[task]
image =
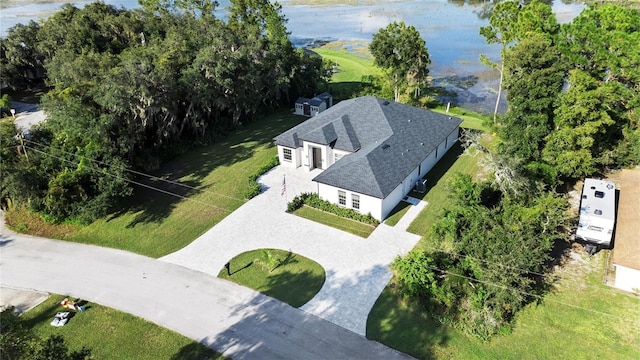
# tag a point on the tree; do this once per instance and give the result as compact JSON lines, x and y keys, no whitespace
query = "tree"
{"x":19,"y":342}
{"x":21,"y":63}
{"x":499,"y":245}
{"x":500,"y":31}
{"x":596,"y":123}
{"x":509,"y":23}
{"x":401,"y":51}
{"x":534,"y":76}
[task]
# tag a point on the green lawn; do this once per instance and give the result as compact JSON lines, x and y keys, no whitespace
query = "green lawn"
{"x":346,"y":83}
{"x":436,"y":195}
{"x":111,"y":334}
{"x":397,"y":213}
{"x":560,"y":327}
{"x":283,"y":275}
{"x":351,"y":226}
{"x":470,"y":120}
{"x":156,"y":224}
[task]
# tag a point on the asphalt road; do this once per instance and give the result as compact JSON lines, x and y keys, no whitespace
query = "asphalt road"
{"x":233,"y":320}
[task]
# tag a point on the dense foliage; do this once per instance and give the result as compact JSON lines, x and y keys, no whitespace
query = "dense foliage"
{"x":130,"y":88}
{"x":18,"y":342}
{"x":574,"y":111}
{"x":401,"y":52}
{"x":498,"y":247}
{"x":573,"y":92}
{"x":314,"y":201}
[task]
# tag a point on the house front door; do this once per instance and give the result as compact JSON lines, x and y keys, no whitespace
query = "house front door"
{"x":316,"y":153}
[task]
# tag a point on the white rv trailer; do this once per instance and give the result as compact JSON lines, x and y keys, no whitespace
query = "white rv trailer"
{"x":597,"y":212}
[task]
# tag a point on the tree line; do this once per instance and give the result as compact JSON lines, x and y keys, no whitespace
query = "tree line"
{"x":573,"y":93}
{"x":128,"y":88}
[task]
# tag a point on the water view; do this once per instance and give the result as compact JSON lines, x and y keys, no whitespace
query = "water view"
{"x":450,"y":29}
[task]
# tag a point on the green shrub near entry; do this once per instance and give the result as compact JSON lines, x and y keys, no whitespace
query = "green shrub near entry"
{"x":313,"y":200}
{"x":254,"y":187}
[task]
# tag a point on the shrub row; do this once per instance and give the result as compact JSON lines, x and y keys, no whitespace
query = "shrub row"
{"x":313,"y":200}
{"x":254,"y":187}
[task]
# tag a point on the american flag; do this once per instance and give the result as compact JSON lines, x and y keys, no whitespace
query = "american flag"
{"x":284,"y":187}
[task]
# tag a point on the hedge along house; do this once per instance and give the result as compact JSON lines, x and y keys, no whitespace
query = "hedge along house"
{"x":372,"y":151}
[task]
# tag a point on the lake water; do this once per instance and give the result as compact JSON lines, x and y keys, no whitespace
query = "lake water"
{"x":450,"y":29}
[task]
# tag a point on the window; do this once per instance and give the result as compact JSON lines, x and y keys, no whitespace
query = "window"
{"x":286,"y":154}
{"x":342,"y":198}
{"x":355,"y":201}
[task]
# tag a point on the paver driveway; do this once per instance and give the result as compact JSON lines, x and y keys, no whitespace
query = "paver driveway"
{"x":357,"y":269}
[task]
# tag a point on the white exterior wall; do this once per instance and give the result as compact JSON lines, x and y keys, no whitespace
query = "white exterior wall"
{"x":627,"y":279}
{"x":427,"y":164}
{"x":453,"y":138}
{"x":307,"y":155}
{"x":335,"y":152}
{"x":368,"y":204}
{"x":299,"y":109}
{"x":295,"y":157}
{"x":390,"y":202}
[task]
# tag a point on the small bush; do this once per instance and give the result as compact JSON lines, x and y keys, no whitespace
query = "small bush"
{"x":313,"y":200}
{"x":254,"y":188}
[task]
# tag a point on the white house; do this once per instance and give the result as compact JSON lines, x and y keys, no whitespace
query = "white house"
{"x":314,"y":106}
{"x":597,"y":212}
{"x":372,"y":151}
{"x":626,"y":252}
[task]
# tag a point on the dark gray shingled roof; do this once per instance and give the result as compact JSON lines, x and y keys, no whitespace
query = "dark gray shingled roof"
{"x":389,"y":139}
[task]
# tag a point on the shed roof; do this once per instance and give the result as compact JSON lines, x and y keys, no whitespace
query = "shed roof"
{"x":626,"y":250}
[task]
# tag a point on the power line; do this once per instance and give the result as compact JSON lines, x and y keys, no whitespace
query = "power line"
{"x":152,"y":177}
{"x":504,"y":287}
{"x":134,"y":182}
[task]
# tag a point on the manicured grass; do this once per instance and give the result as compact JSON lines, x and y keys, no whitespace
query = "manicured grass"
{"x":436,"y":195}
{"x":351,"y":226}
{"x":397,"y":213}
{"x":155,"y":224}
{"x":347,"y":82}
{"x":470,"y":120}
{"x":559,"y":327}
{"x":283,"y":275}
{"x":112,"y":334}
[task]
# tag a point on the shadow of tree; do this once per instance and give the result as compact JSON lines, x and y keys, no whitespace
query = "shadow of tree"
{"x":289,"y":333}
{"x":195,"y":165}
{"x":439,"y":170}
{"x":47,"y":313}
{"x":403,"y":325}
{"x":196,"y":351}
{"x":294,"y":288}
